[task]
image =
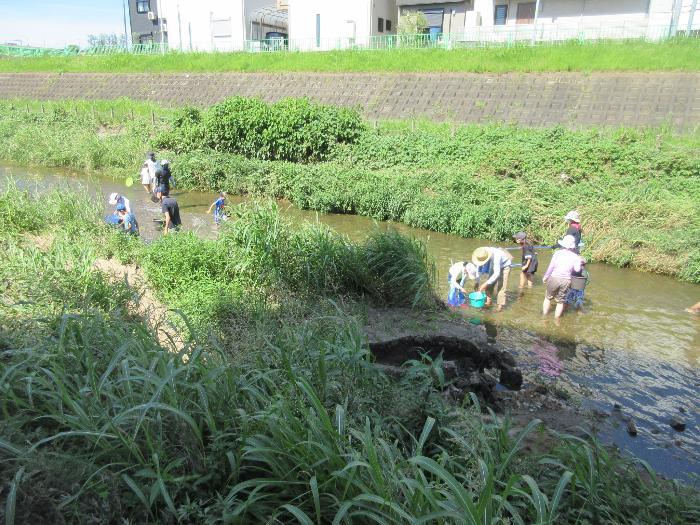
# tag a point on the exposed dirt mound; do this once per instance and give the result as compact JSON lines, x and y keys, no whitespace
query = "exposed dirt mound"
{"x":147,"y":305}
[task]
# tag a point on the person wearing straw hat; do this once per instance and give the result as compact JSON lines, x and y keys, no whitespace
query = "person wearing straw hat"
{"x":563,"y":265}
{"x":495,"y":263}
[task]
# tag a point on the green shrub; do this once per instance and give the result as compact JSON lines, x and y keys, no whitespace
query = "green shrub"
{"x":292,"y":129}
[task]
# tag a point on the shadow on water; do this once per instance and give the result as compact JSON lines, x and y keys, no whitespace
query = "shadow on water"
{"x":634,"y":346}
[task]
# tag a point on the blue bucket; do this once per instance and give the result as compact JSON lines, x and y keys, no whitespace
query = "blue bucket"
{"x":477,"y":299}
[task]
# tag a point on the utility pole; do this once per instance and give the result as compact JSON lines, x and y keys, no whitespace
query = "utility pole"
{"x":179,"y":26}
{"x":691,"y":15}
{"x":534,"y":28}
{"x":126,"y":34}
{"x":675,"y":15}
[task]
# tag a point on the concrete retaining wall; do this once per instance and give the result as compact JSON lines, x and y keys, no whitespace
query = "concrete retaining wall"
{"x":572,"y":99}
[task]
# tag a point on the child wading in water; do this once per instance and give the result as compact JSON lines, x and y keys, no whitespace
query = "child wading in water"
{"x":529,"y":259}
{"x":218,"y":206}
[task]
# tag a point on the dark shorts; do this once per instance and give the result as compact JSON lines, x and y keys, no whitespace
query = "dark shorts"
{"x":532,"y":268}
{"x":162,"y":188}
{"x":558,"y":288}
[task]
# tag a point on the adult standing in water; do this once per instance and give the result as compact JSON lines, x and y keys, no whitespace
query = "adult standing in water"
{"x":564,"y":264}
{"x":148,"y":172}
{"x":495,"y":263}
{"x":171,"y":213}
{"x":573,"y":220}
{"x":164,"y":179}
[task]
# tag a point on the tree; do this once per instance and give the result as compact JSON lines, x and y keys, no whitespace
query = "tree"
{"x":104,"y":39}
{"x":412,"y":23}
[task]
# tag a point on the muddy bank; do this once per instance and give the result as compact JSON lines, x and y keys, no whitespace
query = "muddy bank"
{"x":470,"y":362}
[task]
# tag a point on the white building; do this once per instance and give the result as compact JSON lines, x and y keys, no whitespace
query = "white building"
{"x":339,"y":24}
{"x":503,"y":20}
{"x":222,"y":25}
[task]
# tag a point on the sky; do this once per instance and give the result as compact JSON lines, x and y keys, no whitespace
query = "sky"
{"x":57,"y":23}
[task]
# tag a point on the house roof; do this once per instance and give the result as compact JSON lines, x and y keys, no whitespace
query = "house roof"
{"x":270,"y":16}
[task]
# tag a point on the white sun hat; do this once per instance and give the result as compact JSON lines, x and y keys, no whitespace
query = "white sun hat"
{"x":568,"y":242}
{"x":113,"y":198}
{"x":573,"y":216}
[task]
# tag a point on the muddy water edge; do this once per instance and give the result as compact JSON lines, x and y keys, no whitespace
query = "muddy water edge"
{"x":632,"y":354}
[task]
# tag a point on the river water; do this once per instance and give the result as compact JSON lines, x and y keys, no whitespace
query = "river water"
{"x":633,"y":346}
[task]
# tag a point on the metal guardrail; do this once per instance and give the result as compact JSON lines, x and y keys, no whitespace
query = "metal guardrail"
{"x":496,"y":36}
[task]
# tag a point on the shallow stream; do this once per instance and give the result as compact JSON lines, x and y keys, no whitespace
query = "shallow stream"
{"x":633,"y":346}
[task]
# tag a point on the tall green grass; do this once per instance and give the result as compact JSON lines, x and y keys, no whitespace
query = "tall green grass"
{"x":260,"y":257}
{"x":638,"y":191}
{"x":21,"y":212}
{"x":670,"y":55}
{"x":130,"y":431}
{"x":102,"y":423}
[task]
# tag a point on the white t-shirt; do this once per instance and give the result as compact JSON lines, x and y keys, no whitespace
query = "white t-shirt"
{"x":151,"y":169}
{"x":126,"y":203}
{"x":457,"y":273}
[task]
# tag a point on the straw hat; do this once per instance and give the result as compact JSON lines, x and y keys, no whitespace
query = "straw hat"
{"x":481,"y":256}
{"x":573,"y":216}
{"x":568,"y":242}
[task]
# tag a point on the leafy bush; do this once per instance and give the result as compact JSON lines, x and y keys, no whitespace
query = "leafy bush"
{"x":292,"y":129}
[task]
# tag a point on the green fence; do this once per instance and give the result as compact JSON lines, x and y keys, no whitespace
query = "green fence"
{"x":496,"y":36}
{"x":136,"y":49}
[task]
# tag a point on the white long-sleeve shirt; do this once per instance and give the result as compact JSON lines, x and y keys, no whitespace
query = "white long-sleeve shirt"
{"x":457,"y":274}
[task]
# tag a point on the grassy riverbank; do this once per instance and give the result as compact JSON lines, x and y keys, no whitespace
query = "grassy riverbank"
{"x":671,"y":55}
{"x":638,"y":192}
{"x":270,"y":409}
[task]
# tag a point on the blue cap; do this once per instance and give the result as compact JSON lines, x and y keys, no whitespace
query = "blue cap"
{"x":121,"y":207}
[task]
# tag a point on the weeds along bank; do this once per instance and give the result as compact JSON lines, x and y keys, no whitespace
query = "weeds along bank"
{"x":638,"y":192}
{"x":627,"y":55}
{"x":272,"y":412}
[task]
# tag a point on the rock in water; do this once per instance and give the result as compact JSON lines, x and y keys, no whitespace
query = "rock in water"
{"x":677,"y":424}
{"x":631,"y":428}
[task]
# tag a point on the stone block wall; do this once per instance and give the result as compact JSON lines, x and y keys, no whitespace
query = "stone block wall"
{"x":537,"y":99}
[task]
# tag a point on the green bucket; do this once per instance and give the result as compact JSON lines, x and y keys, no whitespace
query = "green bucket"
{"x":477,"y":299}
